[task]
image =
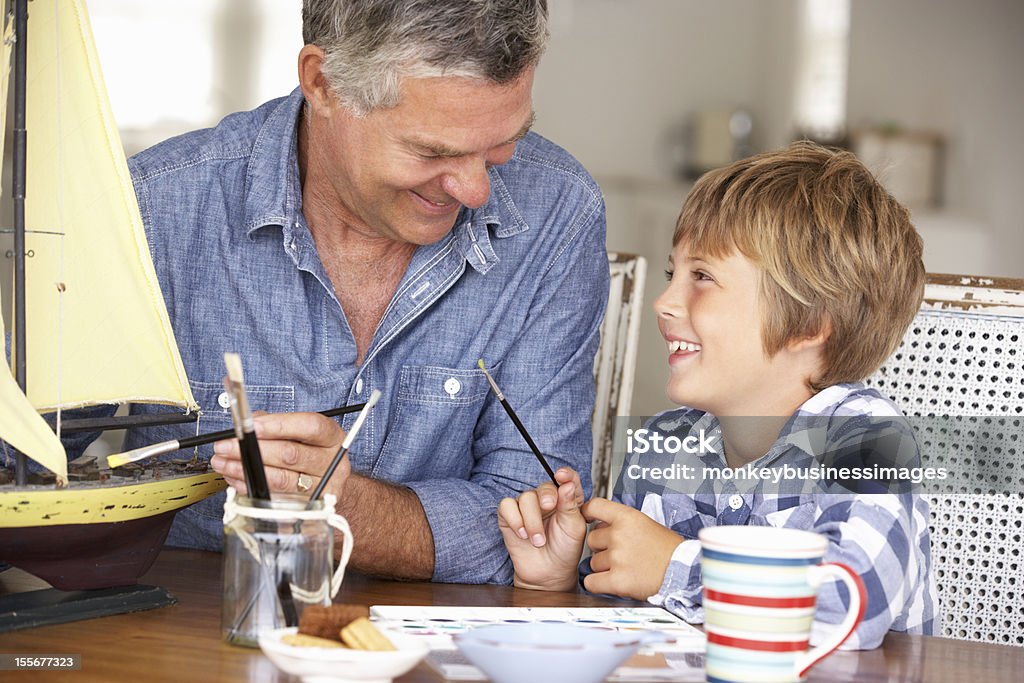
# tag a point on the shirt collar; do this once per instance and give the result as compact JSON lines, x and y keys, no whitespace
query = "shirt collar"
{"x":271,"y":202}
{"x":273,"y":197}
{"x":471,"y":231}
{"x":808,"y":428}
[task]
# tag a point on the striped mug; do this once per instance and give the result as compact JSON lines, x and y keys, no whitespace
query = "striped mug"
{"x":760,"y":588}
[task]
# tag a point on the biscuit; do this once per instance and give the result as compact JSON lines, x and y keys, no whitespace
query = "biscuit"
{"x":326,"y":622}
{"x":361,"y":634}
{"x":302,"y":640}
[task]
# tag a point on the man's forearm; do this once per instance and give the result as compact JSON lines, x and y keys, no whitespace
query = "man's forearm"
{"x":392,"y":535}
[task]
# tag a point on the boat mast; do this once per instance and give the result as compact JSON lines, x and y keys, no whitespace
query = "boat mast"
{"x":20,"y":162}
{"x":20,"y":57}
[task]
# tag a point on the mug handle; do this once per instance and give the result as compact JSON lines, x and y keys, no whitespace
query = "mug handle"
{"x":816,"y":574}
{"x":341,"y":524}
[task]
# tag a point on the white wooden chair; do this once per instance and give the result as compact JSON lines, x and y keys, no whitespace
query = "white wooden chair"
{"x":615,"y":364}
{"x":959,"y":375}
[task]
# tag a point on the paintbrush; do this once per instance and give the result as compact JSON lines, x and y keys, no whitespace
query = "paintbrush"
{"x":119,"y":459}
{"x":349,"y":438}
{"x":245,"y":430}
{"x":519,"y":425}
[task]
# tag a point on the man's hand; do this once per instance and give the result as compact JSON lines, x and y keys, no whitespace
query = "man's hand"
{"x":544,"y":531}
{"x":293,"y":445}
{"x":630,"y":550}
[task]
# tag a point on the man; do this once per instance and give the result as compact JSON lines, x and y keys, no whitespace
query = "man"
{"x":383,"y":227}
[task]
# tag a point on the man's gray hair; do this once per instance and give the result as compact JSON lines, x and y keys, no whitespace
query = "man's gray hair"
{"x":370,"y":45}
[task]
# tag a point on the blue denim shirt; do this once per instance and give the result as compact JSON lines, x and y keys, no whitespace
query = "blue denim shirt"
{"x":520,"y":282}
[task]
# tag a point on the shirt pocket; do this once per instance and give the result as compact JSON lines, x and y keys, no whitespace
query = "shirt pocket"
{"x":799,"y":515}
{"x":431,"y":432}
{"x":216,"y":416}
{"x":216,"y":410}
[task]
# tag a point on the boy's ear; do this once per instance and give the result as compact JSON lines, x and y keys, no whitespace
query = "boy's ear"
{"x":816,"y":340}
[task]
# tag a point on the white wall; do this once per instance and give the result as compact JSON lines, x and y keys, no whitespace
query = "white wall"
{"x":619,"y":75}
{"x":954,"y":67}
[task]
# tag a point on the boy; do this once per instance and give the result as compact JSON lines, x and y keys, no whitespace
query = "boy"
{"x":793,"y":275}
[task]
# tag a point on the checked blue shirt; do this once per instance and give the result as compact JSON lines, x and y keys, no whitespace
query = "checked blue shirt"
{"x":882,"y":535}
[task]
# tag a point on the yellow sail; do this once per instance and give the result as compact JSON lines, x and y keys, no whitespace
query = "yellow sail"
{"x":20,"y":424}
{"x":24,"y":429}
{"x":97,"y":328}
{"x":5,"y":61}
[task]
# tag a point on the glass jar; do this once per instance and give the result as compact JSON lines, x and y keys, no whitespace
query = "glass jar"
{"x":278,"y":558}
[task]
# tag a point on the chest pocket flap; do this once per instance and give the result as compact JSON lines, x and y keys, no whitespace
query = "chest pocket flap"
{"x":430,"y":432}
{"x":213,"y":399}
{"x":427,"y":385}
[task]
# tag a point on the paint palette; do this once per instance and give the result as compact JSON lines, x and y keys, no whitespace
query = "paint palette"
{"x":682,"y":660}
{"x":437,"y":624}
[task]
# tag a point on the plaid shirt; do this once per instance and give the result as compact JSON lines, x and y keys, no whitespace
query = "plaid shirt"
{"x":878,"y":530}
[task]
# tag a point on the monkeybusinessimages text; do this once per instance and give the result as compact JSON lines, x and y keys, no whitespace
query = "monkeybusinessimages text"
{"x":644,"y":441}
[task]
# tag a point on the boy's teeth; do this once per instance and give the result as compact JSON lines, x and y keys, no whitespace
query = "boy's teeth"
{"x":676,"y":346}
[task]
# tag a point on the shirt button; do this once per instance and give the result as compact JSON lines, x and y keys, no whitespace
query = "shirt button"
{"x":224,"y":401}
{"x":359,"y":385}
{"x":452,"y":386}
{"x":736,"y":501}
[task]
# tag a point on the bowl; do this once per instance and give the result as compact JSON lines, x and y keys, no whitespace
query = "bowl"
{"x":341,"y":665}
{"x":513,"y":653}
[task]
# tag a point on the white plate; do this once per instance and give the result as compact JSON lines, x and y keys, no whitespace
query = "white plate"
{"x":340,"y":665}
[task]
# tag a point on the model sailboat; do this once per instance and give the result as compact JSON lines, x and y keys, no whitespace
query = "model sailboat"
{"x":96,"y":328}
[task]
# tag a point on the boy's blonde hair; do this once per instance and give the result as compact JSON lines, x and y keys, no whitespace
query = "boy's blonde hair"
{"x":836,"y":251}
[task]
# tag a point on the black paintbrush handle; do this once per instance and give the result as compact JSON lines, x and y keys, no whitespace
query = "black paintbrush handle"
{"x":252,"y":466}
{"x":529,"y":441}
{"x":203,"y":439}
{"x":327,"y":475}
{"x":285,"y":597}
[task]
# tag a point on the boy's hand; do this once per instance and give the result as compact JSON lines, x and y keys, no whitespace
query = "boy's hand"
{"x":544,"y":531}
{"x":630,"y":550}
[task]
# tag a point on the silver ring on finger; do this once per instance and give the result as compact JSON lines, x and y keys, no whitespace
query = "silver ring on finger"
{"x":304,"y":483}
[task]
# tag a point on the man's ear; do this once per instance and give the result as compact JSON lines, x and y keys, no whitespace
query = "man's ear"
{"x":312,"y":81}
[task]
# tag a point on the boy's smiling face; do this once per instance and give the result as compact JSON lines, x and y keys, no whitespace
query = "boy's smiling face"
{"x":711,"y":319}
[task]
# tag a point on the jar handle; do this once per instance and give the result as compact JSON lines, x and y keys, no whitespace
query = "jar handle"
{"x":341,"y":524}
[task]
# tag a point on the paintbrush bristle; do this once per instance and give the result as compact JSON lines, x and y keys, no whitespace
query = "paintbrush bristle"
{"x":372,"y":401}
{"x":233,"y":362}
{"x":490,"y":380}
{"x":119,"y":459}
{"x":360,"y":419}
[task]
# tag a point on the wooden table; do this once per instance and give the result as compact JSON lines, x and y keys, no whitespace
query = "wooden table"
{"x":183,"y":642}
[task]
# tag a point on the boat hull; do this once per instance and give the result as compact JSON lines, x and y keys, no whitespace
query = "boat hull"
{"x":87,"y":556}
{"x":94,"y":537}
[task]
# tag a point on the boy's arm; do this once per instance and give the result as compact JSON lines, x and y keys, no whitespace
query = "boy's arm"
{"x":880,"y":530}
{"x":881,"y":537}
{"x":673,"y":578}
{"x":631,"y":550}
{"x":884,"y":539}
{"x":681,"y":586}
{"x":681,"y":590}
